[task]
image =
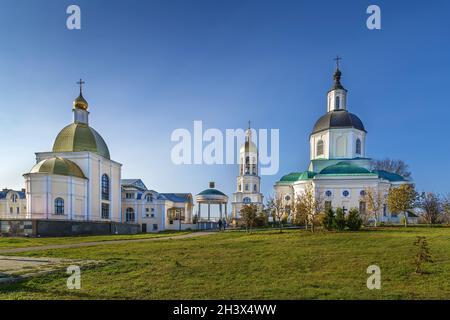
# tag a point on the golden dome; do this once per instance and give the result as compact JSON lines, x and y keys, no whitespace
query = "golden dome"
{"x":249,"y":146}
{"x":59,"y":166}
{"x":78,"y":137}
{"x":80,"y":103}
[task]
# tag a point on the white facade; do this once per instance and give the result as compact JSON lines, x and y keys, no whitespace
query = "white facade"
{"x":155,"y":211}
{"x":339,"y":170}
{"x":248,"y":190}
{"x":13,"y":204}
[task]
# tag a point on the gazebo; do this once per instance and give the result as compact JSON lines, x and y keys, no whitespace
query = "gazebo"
{"x":211,"y":196}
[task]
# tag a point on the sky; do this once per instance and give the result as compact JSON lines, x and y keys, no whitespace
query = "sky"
{"x":152,"y":67}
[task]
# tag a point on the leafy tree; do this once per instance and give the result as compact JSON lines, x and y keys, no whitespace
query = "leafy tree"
{"x":432,"y":207}
{"x":390,"y":165}
{"x":300,"y":216}
{"x":262,"y":218}
{"x":308,"y":205}
{"x":249,"y":215}
{"x":354,"y":221}
{"x":402,"y":199}
{"x":339,"y":220}
{"x":423,"y":254}
{"x":328,"y":220}
{"x":374,"y":200}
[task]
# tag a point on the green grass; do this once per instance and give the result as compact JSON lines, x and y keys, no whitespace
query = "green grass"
{"x":263,"y":265}
{"x":9,"y":243}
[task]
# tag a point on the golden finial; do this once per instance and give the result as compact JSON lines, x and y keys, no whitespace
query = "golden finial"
{"x":80,"y":102}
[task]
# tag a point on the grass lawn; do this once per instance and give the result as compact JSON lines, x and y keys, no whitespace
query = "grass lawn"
{"x":263,"y":265}
{"x":7,"y":242}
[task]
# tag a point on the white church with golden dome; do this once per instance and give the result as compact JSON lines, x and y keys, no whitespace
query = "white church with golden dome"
{"x":78,"y":189}
{"x":77,"y":180}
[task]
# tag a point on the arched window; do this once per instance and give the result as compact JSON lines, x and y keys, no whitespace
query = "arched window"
{"x":247,"y":200}
{"x":14,"y":198}
{"x":255,"y":188}
{"x":105,"y":187}
{"x":129,"y":215}
{"x":149,"y":197}
{"x":358,"y":146}
{"x":319,"y":148}
{"x":59,"y":206}
{"x":338,"y":102}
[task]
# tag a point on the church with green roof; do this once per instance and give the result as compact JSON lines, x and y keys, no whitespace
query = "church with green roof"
{"x":339,"y":170}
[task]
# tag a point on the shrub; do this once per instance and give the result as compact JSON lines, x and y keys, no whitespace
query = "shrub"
{"x":339,"y":220}
{"x":328,"y":220}
{"x":423,"y":254}
{"x":354,"y":220}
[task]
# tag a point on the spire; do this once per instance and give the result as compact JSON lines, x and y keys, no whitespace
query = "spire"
{"x":80,"y":102}
{"x":337,"y":76}
{"x":248,"y":133}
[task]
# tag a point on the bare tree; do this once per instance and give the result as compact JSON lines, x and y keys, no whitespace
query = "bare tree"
{"x":374,"y":200}
{"x":277,"y":207}
{"x":390,"y":165}
{"x":446,"y":209}
{"x":432,"y":207}
{"x":309,"y":205}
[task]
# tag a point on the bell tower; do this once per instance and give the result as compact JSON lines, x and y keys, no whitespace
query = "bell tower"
{"x":248,"y":181}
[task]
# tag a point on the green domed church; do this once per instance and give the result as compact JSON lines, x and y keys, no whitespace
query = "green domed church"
{"x":339,"y":170}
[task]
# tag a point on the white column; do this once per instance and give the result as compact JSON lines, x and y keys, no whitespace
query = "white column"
{"x":209,"y":211}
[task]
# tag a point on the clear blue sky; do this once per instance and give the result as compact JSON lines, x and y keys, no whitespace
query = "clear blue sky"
{"x":153,"y":66}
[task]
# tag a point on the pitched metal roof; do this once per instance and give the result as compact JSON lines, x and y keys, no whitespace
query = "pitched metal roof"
{"x":298,"y":176}
{"x":176,"y":197}
{"x":4,"y":193}
{"x":390,"y":176}
{"x":135,"y":183}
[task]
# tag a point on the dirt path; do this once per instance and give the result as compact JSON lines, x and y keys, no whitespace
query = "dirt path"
{"x":98,"y":243}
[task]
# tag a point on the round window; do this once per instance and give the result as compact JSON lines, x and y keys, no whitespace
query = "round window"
{"x":345,"y":193}
{"x":287,"y":198}
{"x":362,"y":193}
{"x":328,"y":193}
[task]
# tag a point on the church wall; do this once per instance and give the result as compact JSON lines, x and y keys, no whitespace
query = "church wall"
{"x":43,"y":190}
{"x":343,"y":143}
{"x":93,"y":167}
{"x":338,"y":200}
{"x":314,"y":139}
